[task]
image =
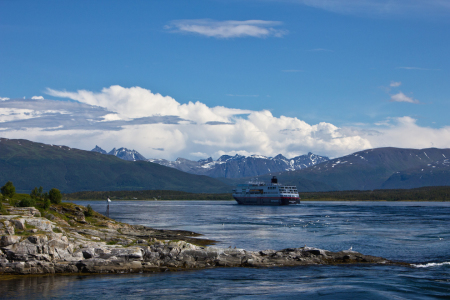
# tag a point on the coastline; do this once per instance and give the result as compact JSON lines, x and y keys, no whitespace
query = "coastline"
{"x":63,"y":241}
{"x":301,"y":200}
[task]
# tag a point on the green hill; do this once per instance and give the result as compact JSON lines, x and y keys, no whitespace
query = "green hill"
{"x":28,"y":164}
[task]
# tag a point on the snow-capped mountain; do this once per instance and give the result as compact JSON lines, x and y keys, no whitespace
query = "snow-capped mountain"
{"x":123,"y":153}
{"x":239,"y":166}
{"x":99,"y":150}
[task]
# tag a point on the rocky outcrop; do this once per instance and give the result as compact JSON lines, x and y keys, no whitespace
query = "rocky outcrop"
{"x":31,"y":244}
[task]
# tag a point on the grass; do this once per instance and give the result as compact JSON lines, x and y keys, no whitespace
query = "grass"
{"x":29,"y":226}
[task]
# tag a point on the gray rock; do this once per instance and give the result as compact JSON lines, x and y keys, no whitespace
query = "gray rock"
{"x":7,"y":240}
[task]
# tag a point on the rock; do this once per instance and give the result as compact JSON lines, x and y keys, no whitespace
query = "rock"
{"x":79,"y":248}
{"x":19,"y":223}
{"x":7,"y":240}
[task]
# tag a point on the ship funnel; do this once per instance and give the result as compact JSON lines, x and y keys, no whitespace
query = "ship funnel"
{"x":274,"y":179}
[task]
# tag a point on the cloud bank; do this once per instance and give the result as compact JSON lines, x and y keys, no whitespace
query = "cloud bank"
{"x":160,"y":127}
{"x":228,"y":29}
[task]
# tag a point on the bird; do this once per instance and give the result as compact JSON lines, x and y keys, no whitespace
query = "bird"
{"x":351,"y":248}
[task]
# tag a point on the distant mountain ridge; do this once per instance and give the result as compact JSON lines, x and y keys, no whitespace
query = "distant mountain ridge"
{"x":381,"y":168}
{"x":240,"y":166}
{"x":123,"y":153}
{"x":28,"y":164}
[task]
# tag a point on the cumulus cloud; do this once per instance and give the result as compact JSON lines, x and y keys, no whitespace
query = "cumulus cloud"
{"x":37,"y":98}
{"x":382,"y":7}
{"x":404,"y":132}
{"x":400,"y":97}
{"x":3,"y":98}
{"x":160,"y":127}
{"x":395,"y":84}
{"x":228,"y":29}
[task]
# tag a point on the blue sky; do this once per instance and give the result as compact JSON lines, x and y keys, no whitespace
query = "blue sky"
{"x":330,"y":77}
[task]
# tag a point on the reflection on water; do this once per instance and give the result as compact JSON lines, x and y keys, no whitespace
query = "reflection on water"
{"x":32,"y":287}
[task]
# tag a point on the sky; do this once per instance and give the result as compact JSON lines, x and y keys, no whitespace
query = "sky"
{"x":204,"y":78}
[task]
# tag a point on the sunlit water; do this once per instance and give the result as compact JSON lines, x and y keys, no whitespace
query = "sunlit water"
{"x":415,"y":232}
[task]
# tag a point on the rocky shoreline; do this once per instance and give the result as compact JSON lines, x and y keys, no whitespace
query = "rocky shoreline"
{"x":63,"y":241}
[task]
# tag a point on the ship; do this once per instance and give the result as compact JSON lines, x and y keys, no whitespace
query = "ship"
{"x":261,"y":193}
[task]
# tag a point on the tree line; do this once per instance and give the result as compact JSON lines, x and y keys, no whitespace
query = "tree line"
{"x":145,"y":195}
{"x":431,"y":193}
{"x":37,"y":197}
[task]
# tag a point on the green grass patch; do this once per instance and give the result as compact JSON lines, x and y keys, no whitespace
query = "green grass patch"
{"x":29,"y":226}
{"x":57,"y":230}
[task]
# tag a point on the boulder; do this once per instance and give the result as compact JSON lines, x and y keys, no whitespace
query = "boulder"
{"x":7,"y":240}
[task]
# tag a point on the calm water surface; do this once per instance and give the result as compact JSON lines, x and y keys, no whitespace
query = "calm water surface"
{"x":415,"y":232}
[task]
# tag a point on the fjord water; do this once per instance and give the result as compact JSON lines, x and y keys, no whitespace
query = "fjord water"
{"x":414,"y":232}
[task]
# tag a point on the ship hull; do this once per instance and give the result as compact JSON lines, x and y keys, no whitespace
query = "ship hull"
{"x":272,"y":201}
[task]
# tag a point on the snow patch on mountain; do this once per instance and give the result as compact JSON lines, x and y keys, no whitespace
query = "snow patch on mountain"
{"x":123,"y":153}
{"x":242,"y":166}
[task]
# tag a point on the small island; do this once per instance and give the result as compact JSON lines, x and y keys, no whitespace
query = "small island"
{"x":67,"y":238}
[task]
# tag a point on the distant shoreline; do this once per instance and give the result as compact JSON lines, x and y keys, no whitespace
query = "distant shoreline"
{"x":305,"y":200}
{"x":433,"y":193}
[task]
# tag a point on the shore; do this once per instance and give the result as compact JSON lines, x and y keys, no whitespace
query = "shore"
{"x":63,"y":240}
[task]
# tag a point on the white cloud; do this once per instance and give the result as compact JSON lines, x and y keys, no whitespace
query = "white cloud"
{"x":37,"y":98}
{"x":228,"y":29}
{"x":395,"y":84}
{"x":198,"y":129}
{"x":160,"y":127}
{"x":405,"y":133}
{"x":382,"y":7}
{"x":3,"y":98}
{"x":199,"y":154}
{"x":400,"y":97}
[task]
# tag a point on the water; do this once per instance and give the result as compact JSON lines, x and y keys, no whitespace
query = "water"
{"x":415,"y":232}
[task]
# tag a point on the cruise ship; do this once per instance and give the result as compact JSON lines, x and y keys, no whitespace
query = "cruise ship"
{"x":261,"y":193}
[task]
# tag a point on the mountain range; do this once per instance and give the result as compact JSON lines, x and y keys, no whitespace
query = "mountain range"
{"x":226,"y":166}
{"x":28,"y":164}
{"x":380,"y":168}
{"x":240,"y":166}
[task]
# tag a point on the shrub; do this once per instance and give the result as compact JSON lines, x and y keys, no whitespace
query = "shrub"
{"x":47,"y":203}
{"x":55,"y":196}
{"x":57,"y":230}
{"x":27,"y":202}
{"x":34,"y":193}
{"x":13,"y":202}
{"x":89,"y":212}
{"x":8,"y":190}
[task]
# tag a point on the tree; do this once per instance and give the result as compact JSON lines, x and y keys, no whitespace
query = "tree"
{"x":47,"y":203}
{"x":40,"y":192}
{"x":8,"y":190}
{"x":55,"y":196}
{"x":34,"y":193}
